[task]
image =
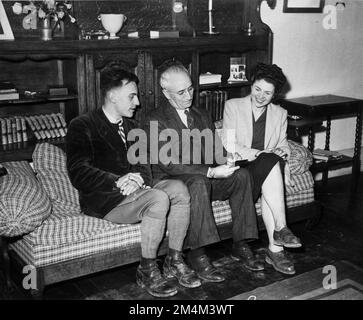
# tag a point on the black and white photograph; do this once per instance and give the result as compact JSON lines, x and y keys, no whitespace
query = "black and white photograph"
{"x":182,"y":156}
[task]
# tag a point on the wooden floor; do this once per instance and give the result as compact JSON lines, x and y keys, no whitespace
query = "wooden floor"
{"x":338,"y":236}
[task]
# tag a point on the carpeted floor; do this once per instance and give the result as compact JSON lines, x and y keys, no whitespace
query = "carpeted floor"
{"x":339,"y":281}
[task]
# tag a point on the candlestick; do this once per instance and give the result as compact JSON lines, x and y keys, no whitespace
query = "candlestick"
{"x":210,"y":20}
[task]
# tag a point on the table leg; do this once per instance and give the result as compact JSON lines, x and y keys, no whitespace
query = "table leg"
{"x":357,"y":150}
{"x":327,"y":147}
{"x":311,"y":138}
{"x":327,"y":135}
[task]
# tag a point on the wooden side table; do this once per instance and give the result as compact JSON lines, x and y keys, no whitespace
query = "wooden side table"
{"x":317,"y":108}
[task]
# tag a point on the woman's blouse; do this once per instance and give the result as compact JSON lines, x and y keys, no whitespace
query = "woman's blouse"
{"x":258,"y":134}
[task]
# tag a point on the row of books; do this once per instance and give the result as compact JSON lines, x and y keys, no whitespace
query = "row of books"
{"x":8,"y":91}
{"x":44,"y":126}
{"x":326,"y":155}
{"x":213,"y":101}
{"x":13,"y":130}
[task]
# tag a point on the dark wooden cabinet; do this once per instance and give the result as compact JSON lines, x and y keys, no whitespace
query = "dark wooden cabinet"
{"x":35,"y":65}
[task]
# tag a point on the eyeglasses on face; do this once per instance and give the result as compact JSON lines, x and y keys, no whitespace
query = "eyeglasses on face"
{"x":183,"y":92}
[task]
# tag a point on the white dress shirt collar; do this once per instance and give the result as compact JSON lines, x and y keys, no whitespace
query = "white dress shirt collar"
{"x":110,"y":117}
{"x":182,"y":115}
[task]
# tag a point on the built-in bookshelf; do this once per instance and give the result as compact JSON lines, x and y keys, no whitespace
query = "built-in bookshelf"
{"x":35,"y":66}
{"x":213,"y":102}
{"x":19,"y":134}
{"x":26,"y":99}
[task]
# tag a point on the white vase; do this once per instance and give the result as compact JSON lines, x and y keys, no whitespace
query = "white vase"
{"x":112,"y":23}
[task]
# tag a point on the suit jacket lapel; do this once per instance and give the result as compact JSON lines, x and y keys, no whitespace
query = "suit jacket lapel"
{"x":248,"y":118}
{"x":173,"y":118}
{"x":270,"y":124}
{"x":106,"y":131}
{"x":173,"y":121}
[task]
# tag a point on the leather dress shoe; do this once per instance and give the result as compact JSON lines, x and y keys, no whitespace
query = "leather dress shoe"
{"x":205,"y":270}
{"x":175,"y":267}
{"x":280,"y":261}
{"x":243,"y":253}
{"x":286,"y":238}
{"x":150,"y":279}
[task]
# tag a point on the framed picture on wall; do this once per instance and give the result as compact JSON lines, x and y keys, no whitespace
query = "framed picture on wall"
{"x":303,"y":6}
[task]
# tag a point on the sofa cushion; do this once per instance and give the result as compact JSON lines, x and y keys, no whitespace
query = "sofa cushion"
{"x":51,"y":170}
{"x":24,"y":204}
{"x":107,"y":239}
{"x":66,"y":228}
{"x":300,"y":158}
{"x":56,"y":241}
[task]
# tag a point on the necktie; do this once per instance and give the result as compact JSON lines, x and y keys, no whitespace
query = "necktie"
{"x":121,"y":131}
{"x":189,"y":118}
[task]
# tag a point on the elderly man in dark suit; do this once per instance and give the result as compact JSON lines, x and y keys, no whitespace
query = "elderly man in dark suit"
{"x":112,"y":189}
{"x":206,"y":181}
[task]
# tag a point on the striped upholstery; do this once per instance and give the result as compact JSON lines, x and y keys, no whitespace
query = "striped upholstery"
{"x":50,"y":167}
{"x":63,"y":228}
{"x":23,"y":202}
{"x":114,"y":236}
{"x":109,"y":239}
{"x":69,"y":234}
{"x":301,"y":182}
{"x":222,"y":210}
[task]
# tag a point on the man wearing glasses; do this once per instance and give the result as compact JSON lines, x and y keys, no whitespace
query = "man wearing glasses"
{"x":205,"y":180}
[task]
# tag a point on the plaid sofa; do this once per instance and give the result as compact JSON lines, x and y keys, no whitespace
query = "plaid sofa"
{"x":69,"y":234}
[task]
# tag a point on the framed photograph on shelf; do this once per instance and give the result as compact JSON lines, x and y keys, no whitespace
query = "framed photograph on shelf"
{"x":237,"y":69}
{"x":303,"y":6}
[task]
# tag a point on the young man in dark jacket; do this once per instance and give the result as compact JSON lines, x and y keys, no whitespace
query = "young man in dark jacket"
{"x":112,"y":189}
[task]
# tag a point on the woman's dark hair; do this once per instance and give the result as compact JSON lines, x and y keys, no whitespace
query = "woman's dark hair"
{"x":113,"y":75}
{"x":270,"y":73}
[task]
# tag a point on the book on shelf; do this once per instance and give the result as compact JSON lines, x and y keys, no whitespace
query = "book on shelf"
{"x":4,"y":137}
{"x":49,"y":126}
{"x":213,"y":102}
{"x":209,"y":78}
{"x":13,"y":130}
{"x":9,"y":96}
{"x":133,"y":34}
{"x":320,"y":158}
{"x":326,"y":155}
{"x":8,"y":91}
{"x":154,"y":34}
